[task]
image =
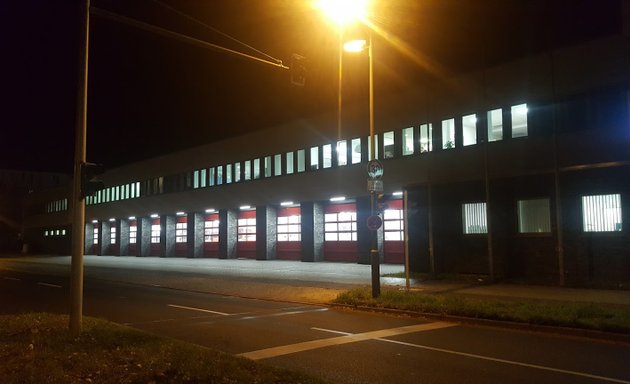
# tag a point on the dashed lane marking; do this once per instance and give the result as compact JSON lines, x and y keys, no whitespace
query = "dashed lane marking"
{"x":198,"y":309}
{"x":350,"y":338}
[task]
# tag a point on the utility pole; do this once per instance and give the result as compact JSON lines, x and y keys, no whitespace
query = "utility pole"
{"x":78,"y":203}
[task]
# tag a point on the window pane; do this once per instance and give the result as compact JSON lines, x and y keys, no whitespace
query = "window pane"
{"x":388,"y":145}
{"x":196,"y":179}
{"x":602,"y":213}
{"x":356,"y":151}
{"x":247,"y":169}
{"x":277,"y":165}
{"x":495,"y":125}
{"x":327,"y":154}
{"x":219,"y":175}
{"x":533,"y":216}
{"x":407,"y":141}
{"x":426,"y":138}
{"x":237,"y":172}
{"x":256,"y":169}
{"x":314,"y":158}
{"x":469,"y":128}
{"x":474,"y":218}
{"x":228,"y":173}
{"x":211,"y":177}
{"x":519,"y":120}
{"x":267,"y":166}
{"x":448,"y":134}
{"x":289,"y":158}
{"x":342,"y":152}
{"x":301,"y":160}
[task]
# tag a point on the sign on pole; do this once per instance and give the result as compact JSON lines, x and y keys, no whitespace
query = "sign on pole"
{"x":375,"y":169}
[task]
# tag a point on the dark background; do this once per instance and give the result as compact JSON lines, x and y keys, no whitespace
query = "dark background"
{"x":150,"y":94}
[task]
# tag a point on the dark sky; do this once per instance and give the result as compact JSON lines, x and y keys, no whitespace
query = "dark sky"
{"x":149,"y":94}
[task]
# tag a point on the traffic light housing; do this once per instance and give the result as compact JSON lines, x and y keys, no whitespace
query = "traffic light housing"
{"x":90,"y":183}
{"x":298,"y":70}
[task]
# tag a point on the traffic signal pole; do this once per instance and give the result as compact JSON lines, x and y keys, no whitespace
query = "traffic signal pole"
{"x":78,"y":203}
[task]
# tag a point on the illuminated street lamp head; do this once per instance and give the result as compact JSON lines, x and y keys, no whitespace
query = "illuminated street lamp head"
{"x":355,"y":45}
{"x":343,"y":12}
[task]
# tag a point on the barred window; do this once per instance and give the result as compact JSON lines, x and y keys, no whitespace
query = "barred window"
{"x":474,"y":218}
{"x":533,"y":216}
{"x":393,"y":224}
{"x":247,"y":229}
{"x":211,"y":231}
{"x":341,"y":226}
{"x":289,"y":228}
{"x":181,"y":232}
{"x":602,"y":213}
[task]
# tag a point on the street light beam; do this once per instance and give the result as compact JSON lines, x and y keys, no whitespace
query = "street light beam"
{"x":343,"y":12}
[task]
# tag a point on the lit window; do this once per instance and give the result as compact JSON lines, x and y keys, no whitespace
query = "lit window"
{"x":203,"y":178}
{"x":602,"y":213}
{"x":407,"y":141}
{"x":247,"y":165}
{"x":133,"y":234}
{"x":267,"y":166}
{"x":341,"y":226}
{"x":474,"y":218}
{"x":181,"y":232}
{"x":211,"y":177}
{"x":301,"y":160}
{"x":196,"y":179}
{"x":426,"y":138}
{"x":228,"y":173}
{"x":519,"y":120}
{"x":495,"y":125}
{"x":356,"y":150}
{"x":95,"y":234}
{"x":112,"y":235}
{"x":211,"y":231}
{"x":314,"y":158}
{"x":448,"y":134}
{"x":393,"y":225}
{"x":256,"y":169}
{"x":219,"y":175}
{"x":45,"y":233}
{"x":342,"y":152}
{"x":237,"y":172}
{"x":247,"y":229}
{"x":327,"y":155}
{"x":533,"y":216}
{"x":469,"y":129}
{"x":155,"y":233}
{"x":289,"y":158}
{"x":388,"y":145}
{"x":289,"y":228}
{"x":375,"y":147}
{"x":277,"y":165}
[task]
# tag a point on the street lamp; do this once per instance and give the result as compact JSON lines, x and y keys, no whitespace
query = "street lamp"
{"x":343,"y":13}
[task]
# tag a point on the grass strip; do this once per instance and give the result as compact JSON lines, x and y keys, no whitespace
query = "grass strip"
{"x":38,"y":348}
{"x":600,"y":317}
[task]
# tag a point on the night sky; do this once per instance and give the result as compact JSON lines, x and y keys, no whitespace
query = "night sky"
{"x":150,"y":94}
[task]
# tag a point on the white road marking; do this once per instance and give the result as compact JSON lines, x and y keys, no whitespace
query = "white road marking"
{"x":351,"y":338}
{"x":49,"y":285}
{"x":277,"y":314}
{"x":10,"y":278}
{"x":474,"y":356}
{"x":198,"y":309}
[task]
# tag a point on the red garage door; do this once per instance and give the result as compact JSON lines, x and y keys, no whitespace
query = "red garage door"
{"x":340,"y":233}
{"x":289,"y":229}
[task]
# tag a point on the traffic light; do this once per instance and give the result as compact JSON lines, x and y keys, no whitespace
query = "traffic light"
{"x":298,"y":70}
{"x":90,"y":183}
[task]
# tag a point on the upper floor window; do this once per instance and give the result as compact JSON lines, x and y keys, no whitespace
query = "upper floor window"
{"x":342,"y":152}
{"x":289,"y":158}
{"x":519,"y":120}
{"x":277,"y":165}
{"x":601,"y":213}
{"x":267,"y":166}
{"x":247,"y":170}
{"x":314,"y":158}
{"x":301,"y":160}
{"x":256,"y":169}
{"x":448,"y":134}
{"x":327,"y":155}
{"x":495,"y":125}
{"x":237,"y":172}
{"x":469,"y":129}
{"x":356,"y":150}
{"x":426,"y":138}
{"x":375,"y":147}
{"x":407,"y":141}
{"x":388,"y":145}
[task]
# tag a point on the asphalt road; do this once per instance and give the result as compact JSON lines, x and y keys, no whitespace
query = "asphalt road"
{"x":340,"y":345}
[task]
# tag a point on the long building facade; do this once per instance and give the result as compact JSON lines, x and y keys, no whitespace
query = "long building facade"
{"x":520,"y":171}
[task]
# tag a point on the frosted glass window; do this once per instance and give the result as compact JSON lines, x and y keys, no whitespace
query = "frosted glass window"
{"x":267,"y":166}
{"x":342,"y":152}
{"x":237,"y":172}
{"x":407,"y":141}
{"x":495,"y":125}
{"x":314,"y":158}
{"x":356,"y":150}
{"x":388,"y":145}
{"x":469,"y":129}
{"x":289,"y":158}
{"x":448,"y":134}
{"x":301,"y":160}
{"x":247,"y":169}
{"x":519,"y":120}
{"x":426,"y":138}
{"x":327,"y":155}
{"x":602,"y":213}
{"x":256,"y":169}
{"x":228,"y":173}
{"x":474,"y":218}
{"x":277,"y":165}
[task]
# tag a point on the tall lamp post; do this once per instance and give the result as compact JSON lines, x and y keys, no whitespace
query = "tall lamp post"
{"x":344,"y":12}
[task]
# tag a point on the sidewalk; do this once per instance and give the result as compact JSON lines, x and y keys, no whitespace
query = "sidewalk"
{"x":318,"y":282}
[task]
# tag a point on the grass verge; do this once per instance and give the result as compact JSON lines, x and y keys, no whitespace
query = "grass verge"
{"x":598,"y":317}
{"x":37,"y":348}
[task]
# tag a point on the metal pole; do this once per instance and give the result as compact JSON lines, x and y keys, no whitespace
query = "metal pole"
{"x":374,"y":255}
{"x":406,"y":235}
{"x":340,"y":85}
{"x":78,"y":206}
